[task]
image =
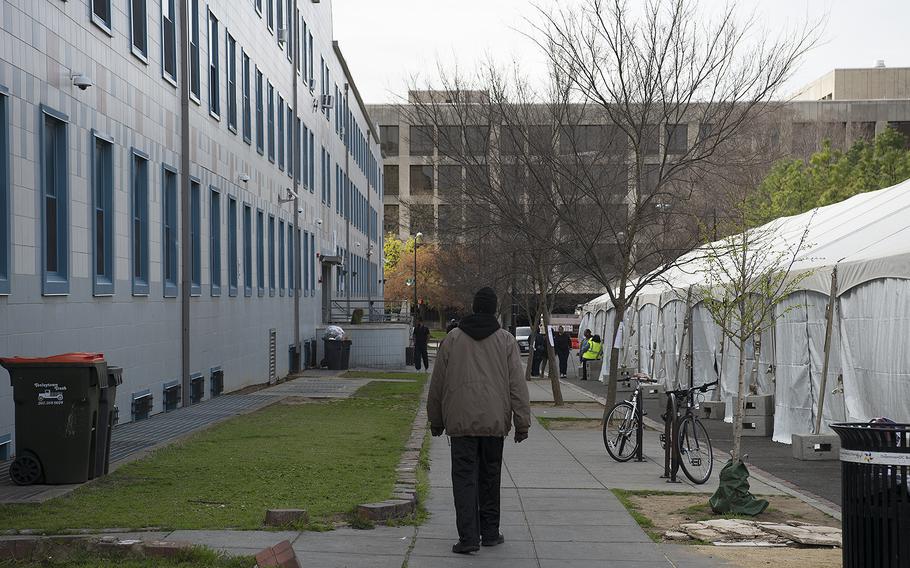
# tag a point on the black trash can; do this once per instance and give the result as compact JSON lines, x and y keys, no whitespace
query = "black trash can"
{"x":875,"y":469}
{"x":409,"y":355}
{"x":56,"y":405}
{"x":107,"y":417}
{"x":333,"y":353}
{"x":346,"y":354}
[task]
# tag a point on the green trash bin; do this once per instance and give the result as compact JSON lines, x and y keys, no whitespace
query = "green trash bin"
{"x":56,"y":413}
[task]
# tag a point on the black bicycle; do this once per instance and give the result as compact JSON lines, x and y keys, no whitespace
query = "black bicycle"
{"x":692,"y":441}
{"x":621,"y":425}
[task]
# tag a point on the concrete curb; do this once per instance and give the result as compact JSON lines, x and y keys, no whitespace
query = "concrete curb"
{"x":819,"y":503}
{"x":403,"y":501}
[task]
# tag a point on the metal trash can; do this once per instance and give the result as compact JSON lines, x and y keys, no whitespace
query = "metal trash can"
{"x":56,"y":405}
{"x":409,"y":356}
{"x":875,"y":470}
{"x":107,"y":418}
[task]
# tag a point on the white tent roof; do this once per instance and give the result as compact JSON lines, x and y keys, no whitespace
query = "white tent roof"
{"x":866,"y":237}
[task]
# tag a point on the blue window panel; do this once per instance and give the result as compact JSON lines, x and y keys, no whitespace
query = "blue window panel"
{"x":305,"y":265}
{"x":258,"y":4}
{"x":195,"y":238}
{"x":279,"y":17}
{"x":298,"y":248}
{"x":102,"y":15}
{"x":5,"y":217}
{"x":247,"y":251}
{"x":169,"y":231}
{"x":290,"y":127}
{"x":298,"y":168}
{"x":280,"y":132}
{"x":291,"y":264}
{"x":270,"y":14}
{"x":271,"y":123}
{"x":214,"y":71}
{"x":291,"y":30}
{"x":312,"y":162}
{"x":281,"y":263}
{"x":232,"y":83}
{"x":247,"y":110}
{"x":260,"y":253}
{"x":55,"y":202}
{"x":260,"y":115}
{"x":233,"y":265}
{"x":102,"y":208}
{"x":195,"y":71}
{"x":168,"y":40}
{"x":139,"y":29}
{"x":215,"y":241}
{"x":312,"y":261}
{"x":139,"y":222}
{"x":271,"y":257}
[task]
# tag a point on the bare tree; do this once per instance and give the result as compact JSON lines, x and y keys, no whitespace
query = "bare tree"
{"x":662,"y":89}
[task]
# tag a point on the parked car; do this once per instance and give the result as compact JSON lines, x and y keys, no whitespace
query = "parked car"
{"x":522,"y":335}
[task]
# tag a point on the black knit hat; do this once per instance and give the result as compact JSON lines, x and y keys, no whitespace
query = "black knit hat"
{"x":485,"y":301}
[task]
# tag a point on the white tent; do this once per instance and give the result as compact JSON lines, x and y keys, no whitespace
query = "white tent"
{"x":867,"y":239}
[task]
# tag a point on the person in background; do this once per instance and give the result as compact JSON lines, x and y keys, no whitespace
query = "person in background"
{"x":593,"y":353}
{"x":421,"y":343}
{"x":562,"y":344}
{"x":453,"y":323}
{"x":477,"y":391}
{"x":582,"y":349}
{"x":540,"y":353}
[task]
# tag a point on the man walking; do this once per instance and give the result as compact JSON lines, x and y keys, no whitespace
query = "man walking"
{"x":562,"y":344}
{"x":477,"y":390}
{"x":421,"y":341}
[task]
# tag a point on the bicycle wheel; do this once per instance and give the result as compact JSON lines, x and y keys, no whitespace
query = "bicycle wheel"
{"x":619,"y":432}
{"x":695,"y":455}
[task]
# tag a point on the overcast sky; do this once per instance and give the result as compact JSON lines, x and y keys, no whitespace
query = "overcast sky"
{"x":388,"y":41}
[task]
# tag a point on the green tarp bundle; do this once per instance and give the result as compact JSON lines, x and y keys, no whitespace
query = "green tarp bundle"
{"x":732,"y":495}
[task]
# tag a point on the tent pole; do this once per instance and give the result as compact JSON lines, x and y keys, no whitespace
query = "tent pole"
{"x":652,"y":368}
{"x":829,"y":321}
{"x":686,"y":318}
{"x":637,"y":339}
{"x":691,"y":342}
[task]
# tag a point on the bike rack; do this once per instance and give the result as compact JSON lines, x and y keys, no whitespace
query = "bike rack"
{"x":671,"y":448}
{"x":639,"y":429}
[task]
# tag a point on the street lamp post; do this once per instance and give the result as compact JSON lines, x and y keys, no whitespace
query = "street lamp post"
{"x":416,"y":243}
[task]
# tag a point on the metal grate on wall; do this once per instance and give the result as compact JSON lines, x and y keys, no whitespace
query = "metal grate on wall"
{"x":142,"y":405}
{"x":197,"y":388}
{"x":217,"y":381}
{"x":273,"y":356}
{"x":171,"y":396}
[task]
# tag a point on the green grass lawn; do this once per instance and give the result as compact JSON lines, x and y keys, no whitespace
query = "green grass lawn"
{"x":325,"y":457}
{"x":77,"y":556}
{"x":439,"y":334}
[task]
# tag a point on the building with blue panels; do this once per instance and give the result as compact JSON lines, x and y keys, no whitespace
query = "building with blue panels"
{"x":186,"y":187}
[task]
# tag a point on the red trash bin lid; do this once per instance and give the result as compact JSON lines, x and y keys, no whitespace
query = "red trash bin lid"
{"x":63,"y":358}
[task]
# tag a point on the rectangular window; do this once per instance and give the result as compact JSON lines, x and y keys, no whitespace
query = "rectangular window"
{"x":101,"y":13}
{"x":215,"y":241}
{"x":103,"y":215}
{"x":312,"y":261}
{"x":310,"y":72}
{"x":389,"y":138}
{"x":56,"y":204}
{"x":270,"y":13}
{"x":290,"y":149}
{"x":232,"y":83}
{"x":247,"y":112}
{"x":305,"y":263}
{"x":4,"y":195}
{"x":280,"y":131}
{"x":169,"y":40}
{"x":271,"y":123}
{"x":260,"y":253}
{"x":233,"y":265}
{"x":139,"y":222}
{"x":281,"y":257}
{"x":271,"y":255}
{"x":195,"y":238}
{"x":195,"y":78}
{"x":299,"y":35}
{"x":290,"y":26}
{"x":312,"y":162}
{"x":139,"y":28}
{"x":260,"y":115}
{"x":291,"y":264}
{"x":169,"y":231}
{"x":214,"y":75}
{"x":247,"y":251}
{"x":259,"y":7}
{"x":279,"y":18}
{"x":298,"y":141}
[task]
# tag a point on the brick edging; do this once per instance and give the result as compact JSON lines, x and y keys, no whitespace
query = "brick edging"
{"x":404,"y":499}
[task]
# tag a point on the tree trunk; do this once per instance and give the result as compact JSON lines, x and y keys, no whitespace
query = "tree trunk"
{"x":531,"y":341}
{"x":551,"y":357}
{"x":614,"y":360}
{"x":740,"y":409}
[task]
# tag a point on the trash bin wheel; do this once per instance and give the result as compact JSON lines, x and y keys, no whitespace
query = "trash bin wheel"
{"x":26,"y":469}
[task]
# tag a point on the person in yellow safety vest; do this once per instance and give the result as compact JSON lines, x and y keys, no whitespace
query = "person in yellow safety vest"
{"x":592,"y":353}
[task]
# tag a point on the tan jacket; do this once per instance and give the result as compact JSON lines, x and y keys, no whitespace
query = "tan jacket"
{"x":478,"y":387}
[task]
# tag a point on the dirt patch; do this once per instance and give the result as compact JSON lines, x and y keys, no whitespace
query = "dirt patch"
{"x":297,"y":400}
{"x":577,"y":405}
{"x":569,"y":423}
{"x":669,"y":511}
{"x":776,"y":557}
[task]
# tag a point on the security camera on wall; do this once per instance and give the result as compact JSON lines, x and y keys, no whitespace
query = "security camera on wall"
{"x":300,"y":210}
{"x":82,"y":81}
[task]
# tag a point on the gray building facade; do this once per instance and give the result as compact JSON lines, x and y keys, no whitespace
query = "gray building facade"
{"x":189,"y":230}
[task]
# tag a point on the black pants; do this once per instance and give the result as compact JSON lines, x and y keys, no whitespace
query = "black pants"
{"x":476,"y":469}
{"x":420,"y":352}
{"x":563,"y":361}
{"x":584,"y":369}
{"x":535,"y":363}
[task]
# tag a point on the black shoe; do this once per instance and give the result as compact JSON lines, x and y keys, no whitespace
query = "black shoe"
{"x":493,"y":541}
{"x":462,"y":547}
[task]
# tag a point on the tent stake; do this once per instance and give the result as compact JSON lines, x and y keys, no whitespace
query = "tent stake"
{"x":829,"y":319}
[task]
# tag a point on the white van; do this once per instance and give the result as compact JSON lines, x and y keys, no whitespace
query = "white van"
{"x":522,"y":335}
